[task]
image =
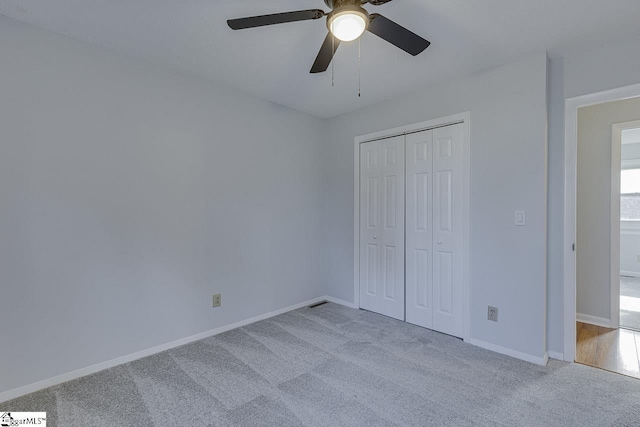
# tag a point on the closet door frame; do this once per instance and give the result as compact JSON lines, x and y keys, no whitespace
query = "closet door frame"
{"x":465,"y":120}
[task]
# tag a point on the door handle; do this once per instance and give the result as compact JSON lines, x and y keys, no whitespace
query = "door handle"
{"x":439,"y":242}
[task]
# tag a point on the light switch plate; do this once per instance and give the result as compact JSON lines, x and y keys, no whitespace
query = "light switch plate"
{"x":519,"y":218}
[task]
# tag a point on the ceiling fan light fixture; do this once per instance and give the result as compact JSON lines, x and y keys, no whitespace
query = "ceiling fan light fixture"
{"x":348,"y":23}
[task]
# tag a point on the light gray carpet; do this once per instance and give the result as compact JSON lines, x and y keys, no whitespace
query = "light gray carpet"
{"x":630,"y":287}
{"x":332,"y":366}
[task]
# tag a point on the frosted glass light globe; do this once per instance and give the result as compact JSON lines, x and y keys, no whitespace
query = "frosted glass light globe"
{"x":348,"y":26}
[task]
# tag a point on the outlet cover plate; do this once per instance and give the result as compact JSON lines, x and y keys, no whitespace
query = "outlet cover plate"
{"x":492,"y":314}
{"x":217,"y":300}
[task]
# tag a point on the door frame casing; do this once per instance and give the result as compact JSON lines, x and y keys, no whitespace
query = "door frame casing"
{"x":570,"y":202}
{"x":465,"y":120}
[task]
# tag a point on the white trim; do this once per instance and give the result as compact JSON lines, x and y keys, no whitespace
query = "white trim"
{"x":630,"y":273}
{"x":570,"y":150}
{"x":593,"y":320}
{"x":614,"y":226}
{"x":356,"y":223}
{"x":466,"y":225}
{"x":340,"y":301}
{"x":538,"y":360}
{"x":465,"y":119}
{"x":30,"y":388}
{"x":556,"y":355}
{"x":570,"y":154}
{"x":413,"y":128}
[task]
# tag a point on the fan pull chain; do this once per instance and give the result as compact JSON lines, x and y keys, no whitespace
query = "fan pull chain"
{"x":333,"y":49}
{"x":359,"y":67}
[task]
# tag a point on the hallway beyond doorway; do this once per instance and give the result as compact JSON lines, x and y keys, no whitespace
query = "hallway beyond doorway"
{"x":615,"y":350}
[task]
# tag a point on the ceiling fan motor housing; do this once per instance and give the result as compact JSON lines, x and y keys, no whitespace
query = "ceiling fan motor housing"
{"x":337,"y":3}
{"x":333,"y":4}
{"x":347,"y":9}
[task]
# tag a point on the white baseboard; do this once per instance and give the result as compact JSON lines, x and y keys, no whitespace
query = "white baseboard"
{"x":556,"y":355}
{"x":630,"y":273}
{"x":340,"y":301}
{"x":30,"y":388}
{"x":593,"y":320}
{"x":538,"y":360}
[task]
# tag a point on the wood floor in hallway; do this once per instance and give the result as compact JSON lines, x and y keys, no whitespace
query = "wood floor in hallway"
{"x":616,"y":350}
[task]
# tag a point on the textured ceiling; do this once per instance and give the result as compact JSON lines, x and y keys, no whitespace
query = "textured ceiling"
{"x":273,"y":62}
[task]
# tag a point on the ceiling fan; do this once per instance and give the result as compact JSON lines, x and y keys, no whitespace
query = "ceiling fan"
{"x":346,"y":22}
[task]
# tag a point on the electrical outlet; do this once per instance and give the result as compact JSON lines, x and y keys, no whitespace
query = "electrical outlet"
{"x":519,"y":218}
{"x":638,"y":258}
{"x":492,"y":314}
{"x":217,"y":300}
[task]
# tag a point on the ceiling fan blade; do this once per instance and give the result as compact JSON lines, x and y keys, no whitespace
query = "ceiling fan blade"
{"x":326,"y":53}
{"x":276,"y":18}
{"x":396,"y":34}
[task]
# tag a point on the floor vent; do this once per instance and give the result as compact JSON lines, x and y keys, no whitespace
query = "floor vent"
{"x":320,"y":303}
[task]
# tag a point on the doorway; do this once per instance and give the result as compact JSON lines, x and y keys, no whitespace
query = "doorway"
{"x":607,"y":252}
{"x":569,"y":256}
{"x":411,"y":209}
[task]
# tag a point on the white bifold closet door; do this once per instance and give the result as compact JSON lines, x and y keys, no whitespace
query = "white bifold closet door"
{"x":434,"y":239}
{"x":382,"y":242}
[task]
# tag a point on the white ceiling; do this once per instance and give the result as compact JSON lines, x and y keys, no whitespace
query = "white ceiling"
{"x":273,"y":62}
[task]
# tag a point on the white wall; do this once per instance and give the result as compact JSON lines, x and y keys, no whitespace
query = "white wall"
{"x":129,"y":195}
{"x":602,"y":67}
{"x":593,"y":288}
{"x":508,"y":172}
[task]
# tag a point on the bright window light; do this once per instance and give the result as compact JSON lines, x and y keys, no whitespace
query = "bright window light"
{"x":630,"y":181}
{"x":630,"y":195}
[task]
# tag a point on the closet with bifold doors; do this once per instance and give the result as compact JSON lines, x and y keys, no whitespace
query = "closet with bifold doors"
{"x":411,"y":228}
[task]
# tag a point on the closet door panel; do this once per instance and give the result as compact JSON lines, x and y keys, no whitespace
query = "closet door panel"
{"x":447,"y":231}
{"x":382,"y":227}
{"x":419,"y":225}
